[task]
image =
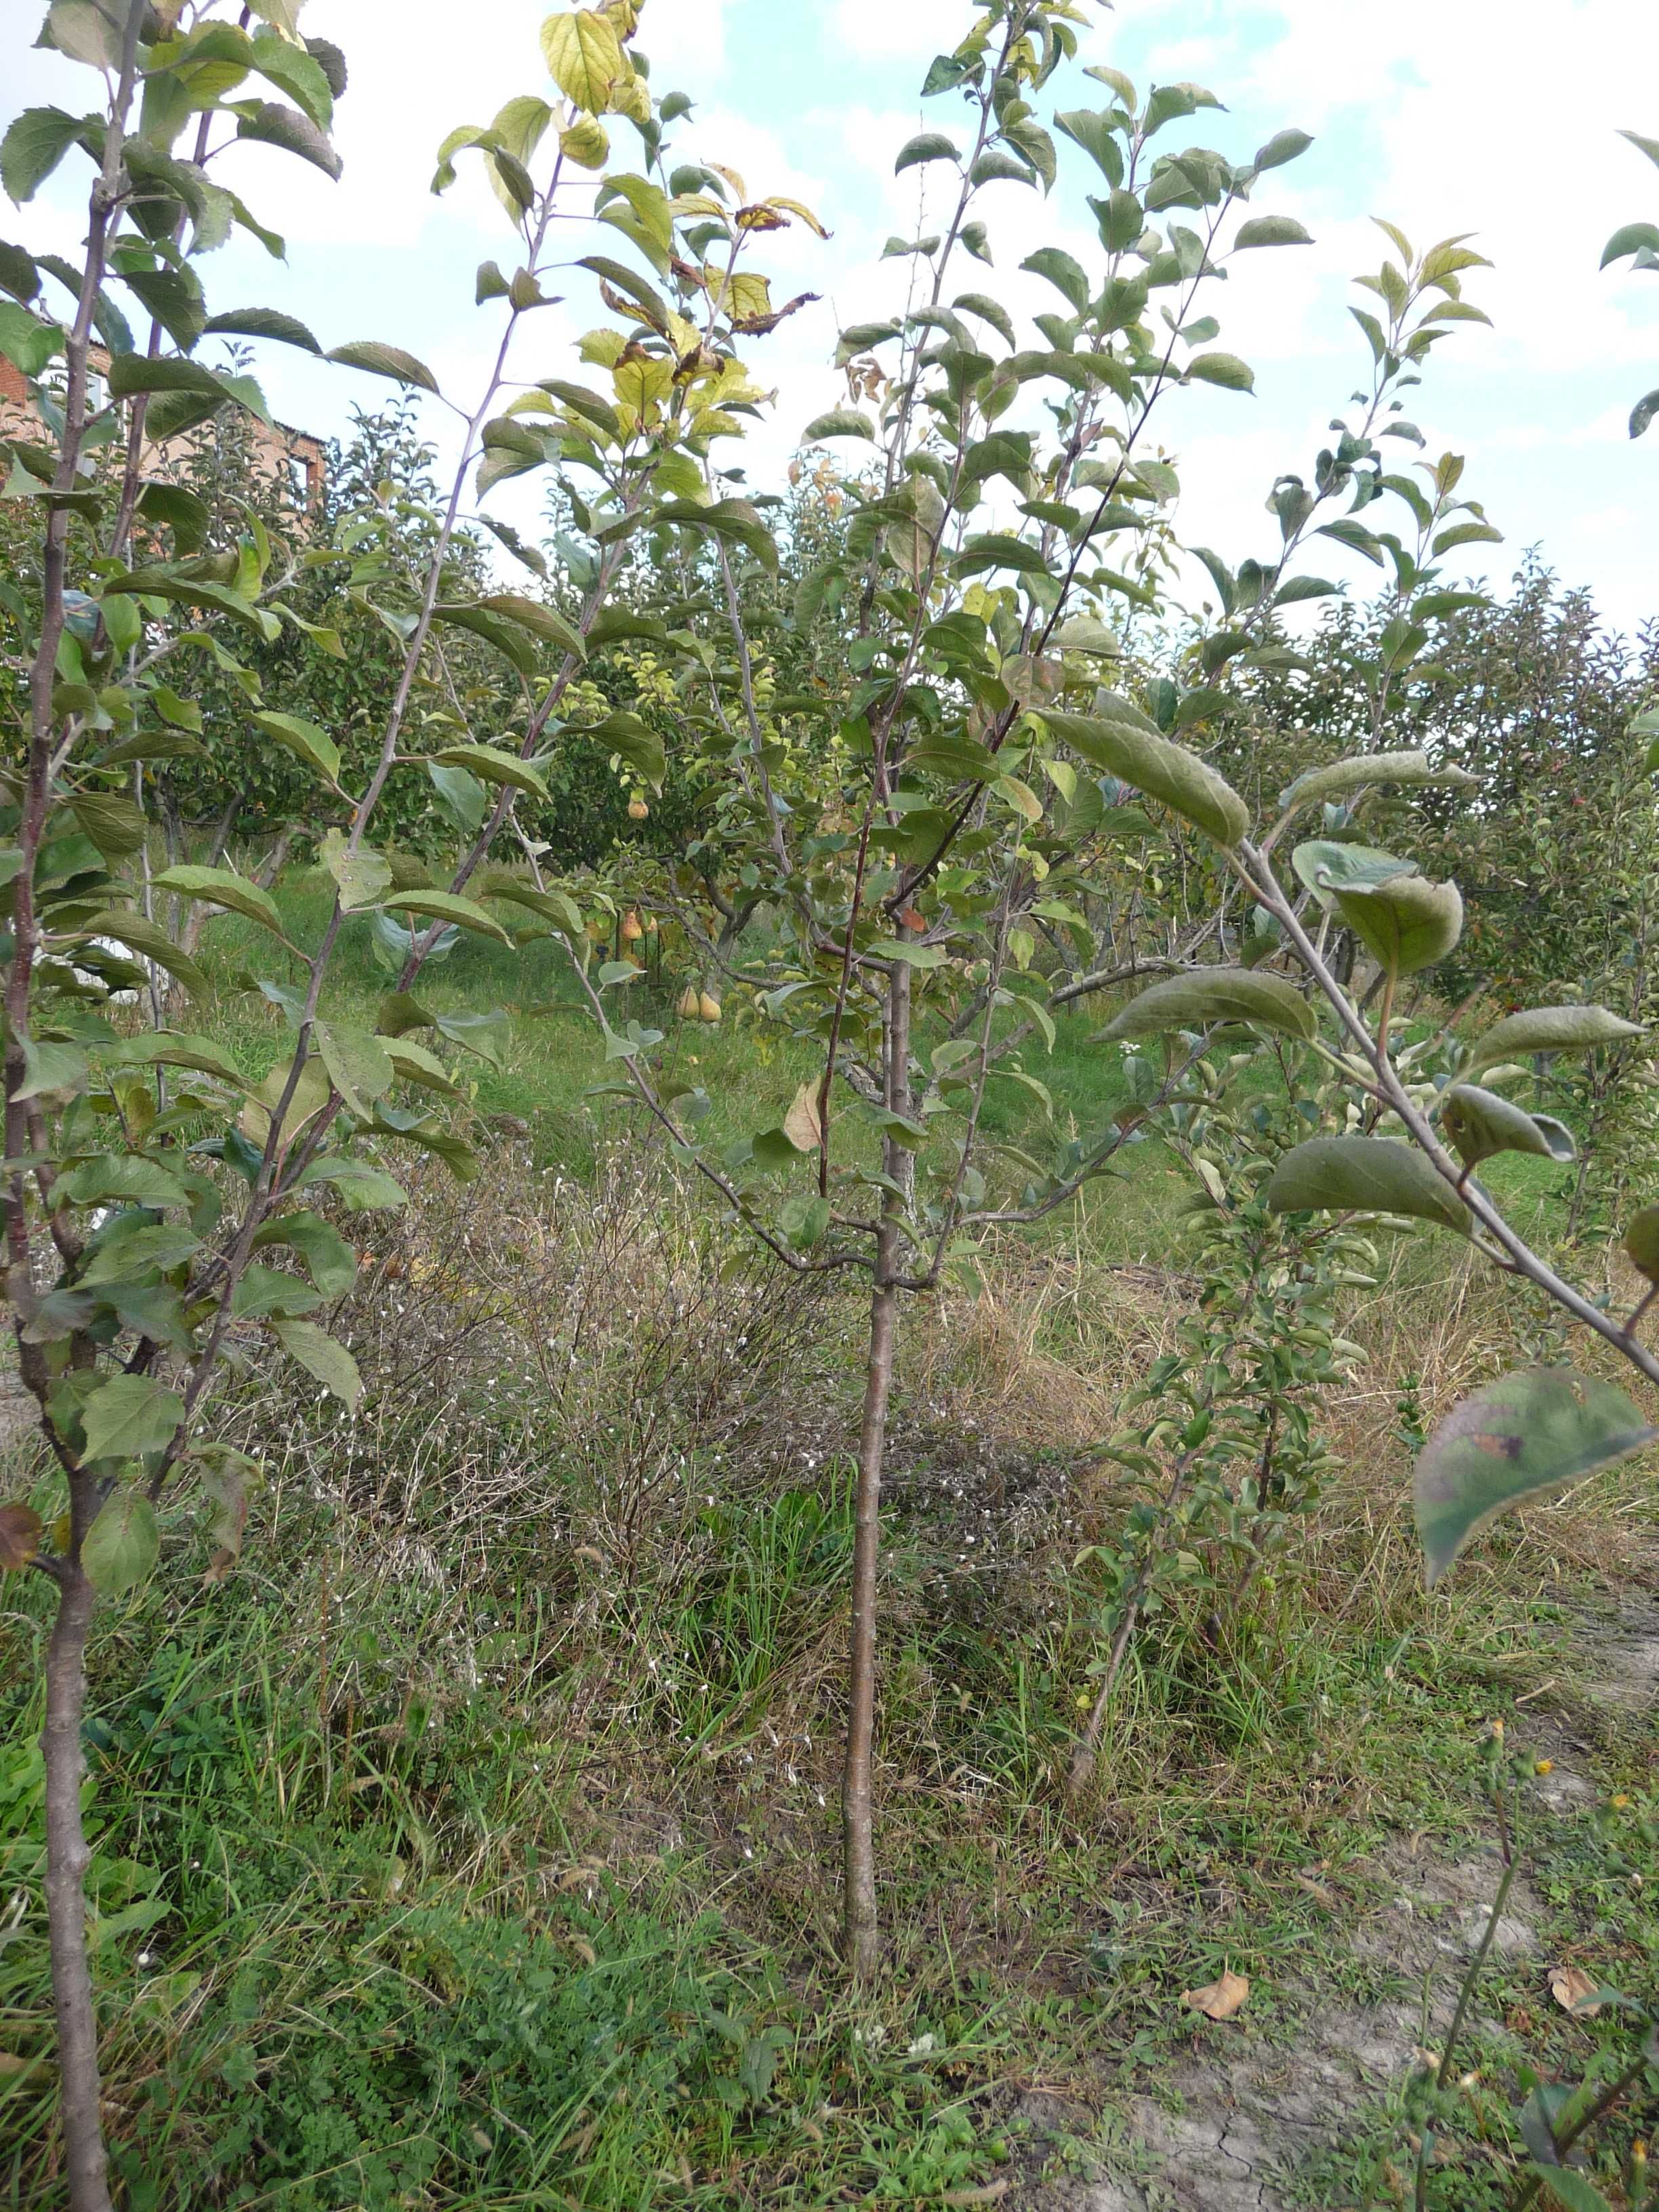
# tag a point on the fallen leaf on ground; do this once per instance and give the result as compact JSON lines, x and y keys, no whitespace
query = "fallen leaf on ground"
{"x":1222,"y":1999}
{"x":1570,"y":1986}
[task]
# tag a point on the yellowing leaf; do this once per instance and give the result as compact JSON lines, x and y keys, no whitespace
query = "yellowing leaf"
{"x":585,"y":58}
{"x":1221,"y":2000}
{"x":584,"y":142}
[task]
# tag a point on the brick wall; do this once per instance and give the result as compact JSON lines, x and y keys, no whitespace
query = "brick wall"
{"x":279,"y":451}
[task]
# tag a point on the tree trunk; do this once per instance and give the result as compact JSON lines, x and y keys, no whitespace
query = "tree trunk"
{"x":67,"y":1858}
{"x":862,"y":1930}
{"x":863,"y":1933}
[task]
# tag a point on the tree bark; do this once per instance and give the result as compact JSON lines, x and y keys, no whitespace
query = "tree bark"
{"x":861,"y":1924}
{"x":67,"y":1859}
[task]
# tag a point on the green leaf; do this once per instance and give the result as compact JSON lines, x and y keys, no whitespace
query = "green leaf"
{"x":1407,"y":922}
{"x":951,"y":754}
{"x":1549,"y":1029}
{"x":26,"y":341}
{"x":293,"y":70}
{"x":581,"y":401}
{"x":86,"y":31}
{"x":488,"y":1034}
{"x":1271,"y":230}
{"x":273,"y":125}
{"x":127,"y":1251}
{"x":363,"y":1188}
{"x":362,"y":876}
{"x":495,"y":766}
{"x":330,"y":1261}
{"x":1226,"y":369}
{"x":113,"y":823}
{"x":1480,"y":1123}
{"x":321,"y":1355}
{"x":838,"y":423}
{"x":377,"y":360}
{"x":173,"y":299}
{"x":927,"y":146}
{"x":33,"y":146}
{"x":175,"y":1048}
{"x":461,"y":796}
{"x":1363,"y":1175}
{"x":1092,"y":130}
{"x":1466,"y":533}
{"x":129,"y":1416}
{"x":1353,"y":774}
{"x":1203,"y":995}
{"x":263,"y":1292}
{"x":585,"y":57}
{"x":146,"y":938}
{"x":18,"y":274}
{"x":1284,"y":146}
{"x":49,"y":1066}
{"x":634,"y":741}
{"x":196,"y":592}
{"x":128,"y":1176}
{"x":508,"y":638}
{"x":1568,"y":2187}
{"x":263,"y":323}
{"x":1526,"y":1434}
{"x":1325,"y":868}
{"x":357,"y":1064}
{"x":221,"y":887}
{"x":732,"y":519}
{"x":445,"y":905}
{"x":123,"y":1544}
{"x":989,"y":311}
{"x":538,"y":618}
{"x":414,"y":1064}
{"x":184,"y":512}
{"x":804,"y":1221}
{"x":1631,"y":238}
{"x":992,"y":549}
{"x":1066,"y":275}
{"x":305,"y":739}
{"x":517,"y":546}
{"x":1131,"y":748}
{"x":133,"y":375}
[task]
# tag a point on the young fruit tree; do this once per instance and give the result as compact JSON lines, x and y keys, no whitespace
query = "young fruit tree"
{"x":914,"y":844}
{"x":916,"y":839}
{"x":166,"y":1213}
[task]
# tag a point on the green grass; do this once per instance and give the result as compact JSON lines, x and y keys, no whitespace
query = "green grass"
{"x":456,"y":1854}
{"x":395,"y":1908}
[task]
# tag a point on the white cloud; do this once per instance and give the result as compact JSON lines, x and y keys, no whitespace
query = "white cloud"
{"x":913,"y":30}
{"x":1497,"y":117}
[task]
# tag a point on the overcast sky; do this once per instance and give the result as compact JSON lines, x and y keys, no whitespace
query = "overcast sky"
{"x":1494,"y":117}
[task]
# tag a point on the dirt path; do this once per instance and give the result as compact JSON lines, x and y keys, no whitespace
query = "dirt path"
{"x":1235,"y":2124}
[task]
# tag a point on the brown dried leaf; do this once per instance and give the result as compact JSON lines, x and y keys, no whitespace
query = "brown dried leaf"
{"x":1570,"y":1986}
{"x":802,"y":1124}
{"x":20,"y":1537}
{"x":1222,"y":2000}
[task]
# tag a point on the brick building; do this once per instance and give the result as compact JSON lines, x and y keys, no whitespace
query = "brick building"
{"x":291,"y":461}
